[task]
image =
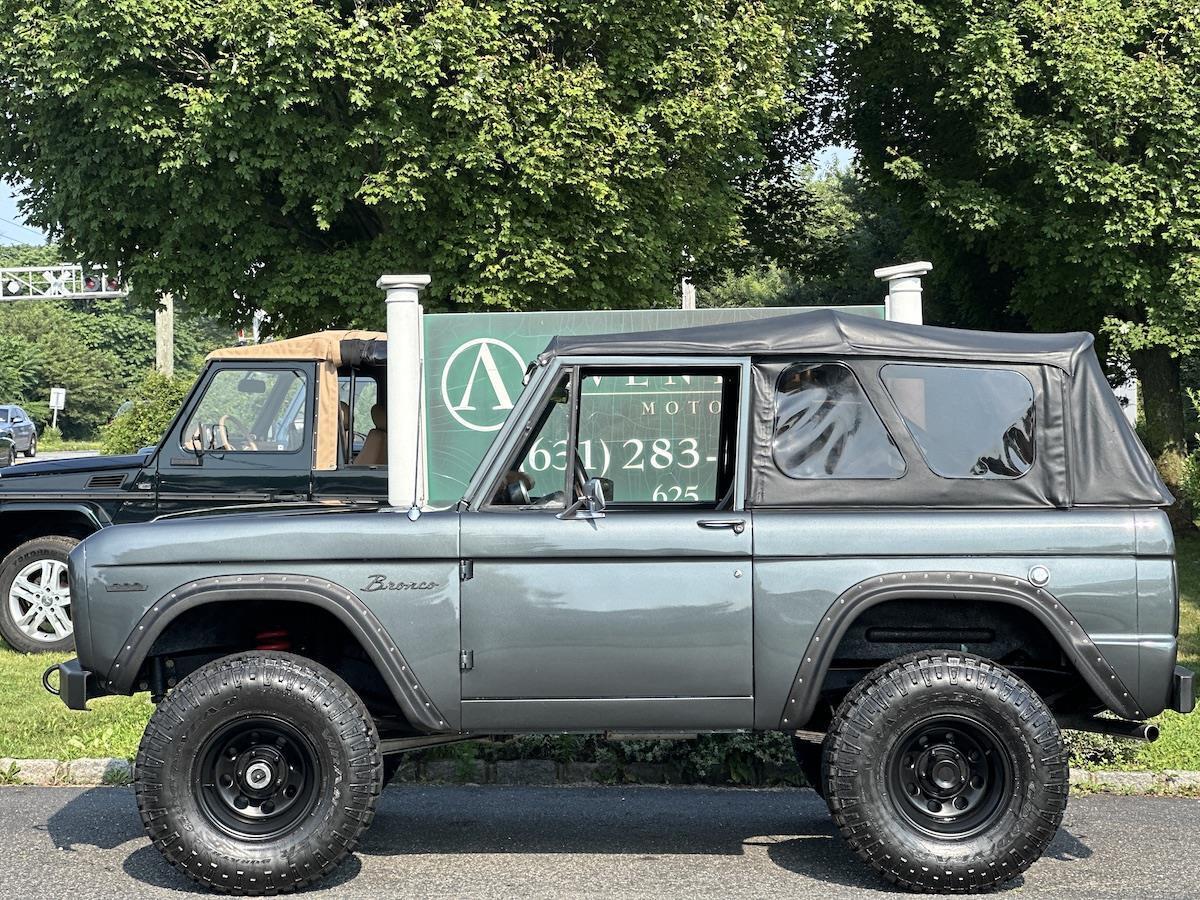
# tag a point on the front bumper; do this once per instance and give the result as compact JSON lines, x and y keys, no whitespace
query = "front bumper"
{"x":1183,"y":694}
{"x":76,"y":685}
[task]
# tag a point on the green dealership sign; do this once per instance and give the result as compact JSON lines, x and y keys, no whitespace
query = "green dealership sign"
{"x":474,"y":364}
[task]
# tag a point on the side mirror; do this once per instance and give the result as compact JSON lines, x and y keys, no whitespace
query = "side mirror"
{"x":591,"y":504}
{"x":593,"y":495}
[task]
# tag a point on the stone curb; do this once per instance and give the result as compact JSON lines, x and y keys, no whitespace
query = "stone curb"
{"x":115,"y":771}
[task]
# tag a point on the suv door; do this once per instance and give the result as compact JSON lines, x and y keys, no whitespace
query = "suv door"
{"x":638,"y":619}
{"x":245,"y":438}
{"x":22,"y":429}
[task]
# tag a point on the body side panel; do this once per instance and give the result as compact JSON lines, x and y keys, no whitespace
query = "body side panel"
{"x":361,"y":552}
{"x":806,"y":560}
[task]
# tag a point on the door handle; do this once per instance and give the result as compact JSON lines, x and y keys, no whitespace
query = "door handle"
{"x":737,"y":526}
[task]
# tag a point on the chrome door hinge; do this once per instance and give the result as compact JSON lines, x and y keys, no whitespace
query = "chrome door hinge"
{"x":466,"y":660}
{"x":466,"y":569}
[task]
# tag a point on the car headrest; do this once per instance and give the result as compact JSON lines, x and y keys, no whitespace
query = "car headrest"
{"x":379,"y":416}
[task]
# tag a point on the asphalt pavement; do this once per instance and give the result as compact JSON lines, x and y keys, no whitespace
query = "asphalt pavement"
{"x":590,"y":842}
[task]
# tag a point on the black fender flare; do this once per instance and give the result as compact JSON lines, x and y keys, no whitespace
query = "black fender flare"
{"x":982,"y":587}
{"x":94,"y":515}
{"x":343,"y":604}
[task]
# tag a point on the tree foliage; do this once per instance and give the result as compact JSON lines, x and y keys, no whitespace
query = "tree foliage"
{"x":154,"y":402}
{"x":849,"y":229}
{"x":280,"y":154}
{"x":1049,"y":150}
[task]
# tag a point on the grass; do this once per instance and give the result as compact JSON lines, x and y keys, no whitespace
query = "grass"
{"x":35,"y":725}
{"x":52,"y":446}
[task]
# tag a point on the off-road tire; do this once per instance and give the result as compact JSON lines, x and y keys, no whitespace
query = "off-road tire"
{"x":32,"y":451}
{"x":51,"y":547}
{"x":870,"y":728}
{"x":255,"y":687}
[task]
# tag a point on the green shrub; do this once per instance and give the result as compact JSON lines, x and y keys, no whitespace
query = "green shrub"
{"x":154,"y":404}
{"x":50,"y":437}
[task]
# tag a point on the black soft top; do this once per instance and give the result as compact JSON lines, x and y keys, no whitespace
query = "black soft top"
{"x":829,"y":332}
{"x":1092,"y":456}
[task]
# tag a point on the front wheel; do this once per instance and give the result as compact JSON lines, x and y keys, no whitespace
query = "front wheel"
{"x":258,"y":773}
{"x":946,"y":773}
{"x":35,"y":599}
{"x":32,"y":451}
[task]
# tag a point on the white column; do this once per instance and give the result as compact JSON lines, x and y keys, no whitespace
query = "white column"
{"x":903,"y":301}
{"x":404,"y":386}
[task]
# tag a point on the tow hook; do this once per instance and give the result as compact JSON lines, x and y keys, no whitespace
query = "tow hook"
{"x":46,"y":680}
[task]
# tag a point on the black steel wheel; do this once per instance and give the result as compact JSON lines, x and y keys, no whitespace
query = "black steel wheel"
{"x":945,"y":772}
{"x":258,"y":773}
{"x":256,"y":777}
{"x":948,"y":776}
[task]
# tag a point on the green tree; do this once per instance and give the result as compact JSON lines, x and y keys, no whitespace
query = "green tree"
{"x":847,"y":230}
{"x":1048,"y":152}
{"x":280,"y":154}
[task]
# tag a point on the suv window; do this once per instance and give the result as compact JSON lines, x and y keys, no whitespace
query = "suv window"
{"x":355,"y":420}
{"x":967,"y":422}
{"x":659,"y":436}
{"x":825,"y":427}
{"x":250,"y":411}
{"x":536,"y":476}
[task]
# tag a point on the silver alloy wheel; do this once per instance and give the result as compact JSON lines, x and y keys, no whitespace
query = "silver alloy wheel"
{"x":39,"y":601}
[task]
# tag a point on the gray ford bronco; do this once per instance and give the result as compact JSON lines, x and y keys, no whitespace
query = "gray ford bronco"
{"x":918,"y":550}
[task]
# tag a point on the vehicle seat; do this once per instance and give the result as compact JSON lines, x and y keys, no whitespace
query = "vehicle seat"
{"x":374,"y":451}
{"x":345,"y":438}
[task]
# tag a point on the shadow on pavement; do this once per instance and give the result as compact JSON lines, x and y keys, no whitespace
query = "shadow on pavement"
{"x":793,"y":826}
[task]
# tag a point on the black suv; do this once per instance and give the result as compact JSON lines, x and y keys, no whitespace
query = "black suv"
{"x":290,"y":422}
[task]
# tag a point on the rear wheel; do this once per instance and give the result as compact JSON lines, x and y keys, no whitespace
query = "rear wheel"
{"x":946,"y":773}
{"x":258,"y":773}
{"x":35,"y":599}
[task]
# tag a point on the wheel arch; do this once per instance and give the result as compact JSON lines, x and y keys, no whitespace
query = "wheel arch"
{"x":331,"y":598}
{"x":1070,"y":636}
{"x":22,"y":521}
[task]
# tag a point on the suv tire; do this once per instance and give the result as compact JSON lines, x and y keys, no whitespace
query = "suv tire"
{"x":33,"y":582}
{"x":258,"y":773}
{"x":32,"y":451}
{"x":945,"y":773}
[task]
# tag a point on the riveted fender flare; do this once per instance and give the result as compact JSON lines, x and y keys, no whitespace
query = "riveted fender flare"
{"x":344,"y":605}
{"x":972,"y":586}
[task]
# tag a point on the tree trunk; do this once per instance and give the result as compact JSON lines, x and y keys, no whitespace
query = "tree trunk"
{"x":1165,"y":431}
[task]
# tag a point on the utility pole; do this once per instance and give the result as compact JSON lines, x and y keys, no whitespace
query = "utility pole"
{"x":687,"y":292}
{"x":164,"y":335}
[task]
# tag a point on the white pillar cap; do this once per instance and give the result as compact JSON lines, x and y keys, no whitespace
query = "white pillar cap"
{"x":904,"y":270}
{"x":402,"y":282}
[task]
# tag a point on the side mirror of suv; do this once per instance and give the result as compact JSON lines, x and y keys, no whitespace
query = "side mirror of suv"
{"x":591,"y":504}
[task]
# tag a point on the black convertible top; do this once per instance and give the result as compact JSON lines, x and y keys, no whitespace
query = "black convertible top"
{"x":828,"y":331}
{"x":1090,"y":455}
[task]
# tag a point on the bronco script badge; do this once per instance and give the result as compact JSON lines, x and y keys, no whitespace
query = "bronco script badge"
{"x":382,"y":583}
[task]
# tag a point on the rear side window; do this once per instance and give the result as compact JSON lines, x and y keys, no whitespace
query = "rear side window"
{"x":967,"y":422}
{"x":825,"y":427}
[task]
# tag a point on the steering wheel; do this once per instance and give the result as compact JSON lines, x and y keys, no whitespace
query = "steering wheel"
{"x":516,"y":489}
{"x":240,"y":428}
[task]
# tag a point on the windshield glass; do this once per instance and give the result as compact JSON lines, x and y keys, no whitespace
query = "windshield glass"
{"x":3,"y":415}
